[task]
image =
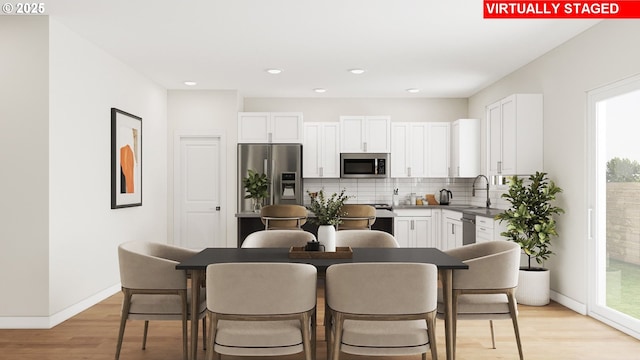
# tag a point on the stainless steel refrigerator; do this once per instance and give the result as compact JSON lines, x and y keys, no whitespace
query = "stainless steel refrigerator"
{"x":282,"y":163}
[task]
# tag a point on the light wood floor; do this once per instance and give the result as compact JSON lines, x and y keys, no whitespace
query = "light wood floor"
{"x":550,"y":332}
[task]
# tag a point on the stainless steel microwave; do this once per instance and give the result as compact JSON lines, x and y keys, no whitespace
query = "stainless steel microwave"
{"x":364,"y":165}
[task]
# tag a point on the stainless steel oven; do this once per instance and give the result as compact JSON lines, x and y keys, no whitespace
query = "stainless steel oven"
{"x":364,"y":165}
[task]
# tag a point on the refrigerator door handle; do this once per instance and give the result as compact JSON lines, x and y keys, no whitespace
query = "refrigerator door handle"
{"x":264,"y":167}
{"x":273,"y":182}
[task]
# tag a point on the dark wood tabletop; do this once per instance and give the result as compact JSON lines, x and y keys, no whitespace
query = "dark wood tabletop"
{"x":228,"y":255}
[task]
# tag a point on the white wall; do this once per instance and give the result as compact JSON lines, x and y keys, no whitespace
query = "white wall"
{"x":62,"y":254}
{"x":210,"y":111}
{"x":24,"y":144}
{"x":330,"y":109}
{"x":596,"y":57}
{"x":85,"y":83}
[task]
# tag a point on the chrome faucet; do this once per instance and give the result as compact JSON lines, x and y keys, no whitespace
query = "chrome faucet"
{"x":473,"y":188}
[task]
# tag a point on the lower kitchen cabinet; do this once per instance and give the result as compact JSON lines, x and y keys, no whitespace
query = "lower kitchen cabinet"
{"x":488,"y":229}
{"x":414,"y":228}
{"x":484,"y":229}
{"x":451,"y":236}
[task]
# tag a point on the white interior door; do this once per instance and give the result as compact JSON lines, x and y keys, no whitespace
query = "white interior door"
{"x":614,"y":205}
{"x":197,"y":195}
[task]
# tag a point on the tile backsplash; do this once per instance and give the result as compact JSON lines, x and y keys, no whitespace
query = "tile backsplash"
{"x":380,"y":191}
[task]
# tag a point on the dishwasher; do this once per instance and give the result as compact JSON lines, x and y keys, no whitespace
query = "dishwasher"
{"x":468,"y":228}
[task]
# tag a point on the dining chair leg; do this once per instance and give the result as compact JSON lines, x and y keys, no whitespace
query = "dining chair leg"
{"x":454,"y":323}
{"x":431,"y":333}
{"x":185,"y":342}
{"x":314,"y":335}
{"x":493,"y":337}
{"x":514,"y":319}
{"x":212,"y":336}
{"x":126,"y":305}
{"x":337,"y":336}
{"x":144,"y":335}
{"x":204,"y":334}
{"x":305,"y":323}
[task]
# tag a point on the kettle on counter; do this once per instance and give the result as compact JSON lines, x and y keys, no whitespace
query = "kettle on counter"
{"x":445,"y":196}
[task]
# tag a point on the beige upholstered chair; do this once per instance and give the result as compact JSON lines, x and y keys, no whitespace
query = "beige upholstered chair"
{"x":381,"y":309}
{"x":357,"y":217}
{"x":284,"y":217}
{"x":277,"y":238}
{"x":486,"y":291}
{"x":261,"y":309}
{"x":153,"y":288}
{"x":365,"y":238}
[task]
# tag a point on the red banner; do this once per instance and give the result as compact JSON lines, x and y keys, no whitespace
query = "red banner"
{"x":623,"y":9}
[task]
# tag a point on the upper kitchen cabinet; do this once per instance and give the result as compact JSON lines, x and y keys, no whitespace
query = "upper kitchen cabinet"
{"x":514,"y":135}
{"x":408,"y":149}
{"x":365,"y":134}
{"x":321,"y":152}
{"x":438,"y":149}
{"x":465,"y":148}
{"x":419,"y":149}
{"x":282,"y":128}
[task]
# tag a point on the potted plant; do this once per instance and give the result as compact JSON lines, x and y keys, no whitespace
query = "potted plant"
{"x":531,"y":224}
{"x":327,"y":215}
{"x":256,"y":185}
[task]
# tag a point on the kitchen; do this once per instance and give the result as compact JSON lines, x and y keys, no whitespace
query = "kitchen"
{"x":390,"y":171}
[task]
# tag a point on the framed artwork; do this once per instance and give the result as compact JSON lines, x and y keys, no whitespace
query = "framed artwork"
{"x":126,"y":159}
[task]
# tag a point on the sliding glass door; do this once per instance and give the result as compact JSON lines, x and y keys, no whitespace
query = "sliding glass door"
{"x":614,"y":204}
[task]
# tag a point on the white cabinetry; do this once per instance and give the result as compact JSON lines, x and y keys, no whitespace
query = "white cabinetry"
{"x":321,"y":152}
{"x":514,"y":135}
{"x":484,"y":229}
{"x":465,"y":148}
{"x":488,"y":229}
{"x":408,"y":149}
{"x":360,"y":134}
{"x":259,"y":127}
{"x":438,"y":149}
{"x":414,"y":228}
{"x":419,"y":149}
{"x":451,"y":236}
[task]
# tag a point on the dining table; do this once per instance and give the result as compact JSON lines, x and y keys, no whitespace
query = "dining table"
{"x":197,"y":264}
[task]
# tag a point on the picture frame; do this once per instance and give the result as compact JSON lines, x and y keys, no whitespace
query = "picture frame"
{"x":126,"y":159}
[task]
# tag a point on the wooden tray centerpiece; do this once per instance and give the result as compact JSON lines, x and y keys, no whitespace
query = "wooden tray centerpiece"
{"x":342,"y":252}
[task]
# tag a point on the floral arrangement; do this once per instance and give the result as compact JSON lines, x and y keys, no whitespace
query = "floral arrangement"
{"x":327,"y":210}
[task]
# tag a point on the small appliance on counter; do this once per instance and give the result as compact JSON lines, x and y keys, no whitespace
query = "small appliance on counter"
{"x":445,"y":196}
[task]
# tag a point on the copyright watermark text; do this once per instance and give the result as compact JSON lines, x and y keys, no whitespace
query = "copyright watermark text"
{"x":23,"y":8}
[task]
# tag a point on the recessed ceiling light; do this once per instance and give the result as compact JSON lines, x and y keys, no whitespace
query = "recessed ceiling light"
{"x":413,"y":90}
{"x":356,"y":71}
{"x":190,"y":83}
{"x":320,"y":90}
{"x":274,"y":71}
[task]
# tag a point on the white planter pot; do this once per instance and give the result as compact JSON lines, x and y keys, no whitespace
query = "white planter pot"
{"x":533,"y":287}
{"x":327,"y":237}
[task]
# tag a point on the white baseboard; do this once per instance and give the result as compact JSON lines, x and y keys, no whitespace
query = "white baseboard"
{"x":47,"y":322}
{"x":568,"y":302}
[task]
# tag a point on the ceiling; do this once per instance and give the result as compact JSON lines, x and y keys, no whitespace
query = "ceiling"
{"x":442,"y":47}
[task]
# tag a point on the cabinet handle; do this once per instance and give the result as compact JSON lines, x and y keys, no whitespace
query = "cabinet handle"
{"x":409,"y":171}
{"x":458,"y":170}
{"x":499,"y":167}
{"x":453,"y":230}
{"x":321,"y":171}
{"x":411,"y":224}
{"x":270,"y":137}
{"x":365,"y":147}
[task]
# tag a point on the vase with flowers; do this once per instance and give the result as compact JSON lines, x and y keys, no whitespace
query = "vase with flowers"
{"x":327,"y":211}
